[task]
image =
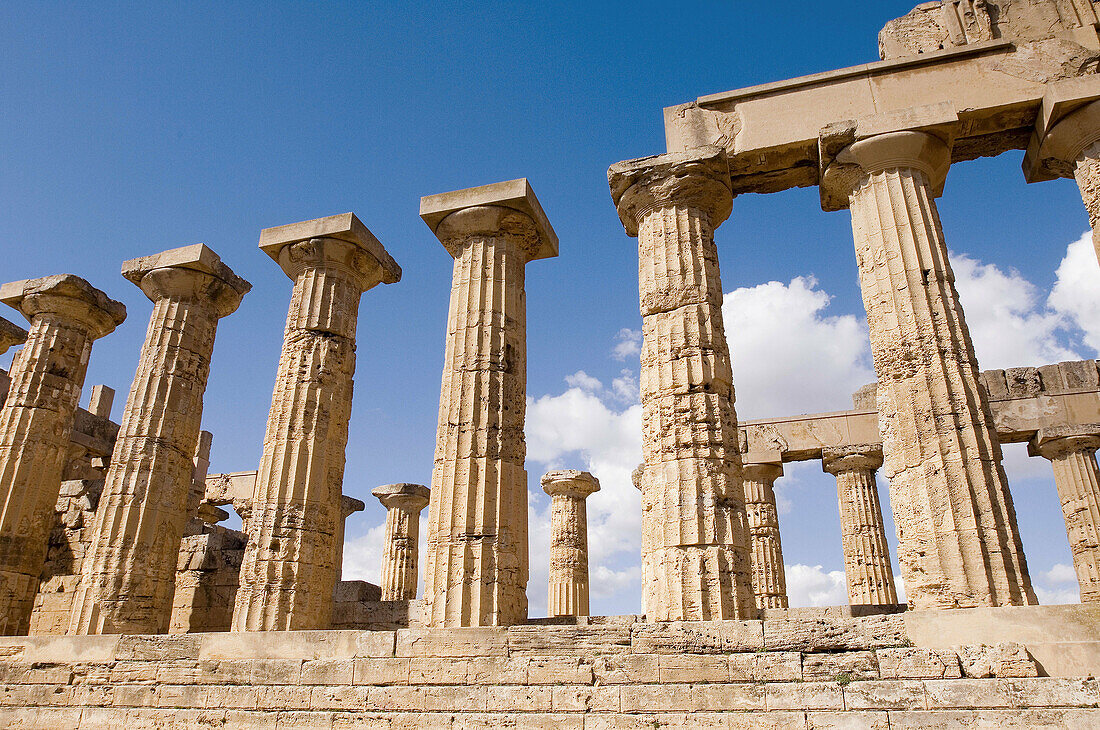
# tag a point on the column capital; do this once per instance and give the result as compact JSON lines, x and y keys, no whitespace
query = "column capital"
{"x":66,"y":296}
{"x":889,"y":151}
{"x":569,"y":483}
{"x":411,"y":497}
{"x":338,"y":241}
{"x":350,"y":505}
{"x":1051,"y":443}
{"x":499,"y":209}
{"x":835,"y":460}
{"x":1055,"y":153}
{"x":190,"y":272}
{"x":698,"y":178}
{"x":762,"y":471}
{"x":11,"y":335}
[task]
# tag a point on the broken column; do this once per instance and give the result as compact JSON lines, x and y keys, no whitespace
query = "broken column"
{"x":403,"y":503}
{"x":289,"y":570}
{"x":696,"y":551}
{"x":769,"y":580}
{"x":66,"y":315}
{"x":129,"y":572}
{"x":568,"y":590}
{"x":477,"y":564}
{"x":1072,"y":452}
{"x":1070,"y":147}
{"x":958,"y":543}
{"x":867,"y":567}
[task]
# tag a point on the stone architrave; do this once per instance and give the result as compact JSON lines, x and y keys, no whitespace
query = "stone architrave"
{"x":769,"y":579}
{"x":1071,"y":450}
{"x":958,"y":543}
{"x":128,"y":576}
{"x":696,"y":552}
{"x":289,"y":570}
{"x":403,"y":503}
{"x":476,"y":559}
{"x":1071,"y":148}
{"x":348,"y":507}
{"x":10,"y":336}
{"x":66,"y":315}
{"x":568,"y":577}
{"x":867,"y":567}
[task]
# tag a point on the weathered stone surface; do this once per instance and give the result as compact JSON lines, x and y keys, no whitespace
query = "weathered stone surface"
{"x":568,"y":575}
{"x":696,"y":554}
{"x":1000,"y":660}
{"x":918,"y":663}
{"x":477,"y":562}
{"x":769,"y":581}
{"x":403,"y":503}
{"x":958,"y":544}
{"x":289,"y":571}
{"x":869,"y":632}
{"x":128,"y":576}
{"x":66,"y":315}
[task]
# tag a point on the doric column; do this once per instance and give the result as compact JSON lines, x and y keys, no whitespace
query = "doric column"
{"x":1071,"y":148}
{"x":10,"y":336}
{"x":66,"y":315}
{"x":403,"y":503}
{"x":568,"y":590}
{"x":862,"y":533}
{"x":1072,"y":452}
{"x":477,"y":563}
{"x":769,"y":581}
{"x":128,"y":576}
{"x":289,"y":570}
{"x":695,"y":539}
{"x":958,"y":543}
{"x":348,"y":507}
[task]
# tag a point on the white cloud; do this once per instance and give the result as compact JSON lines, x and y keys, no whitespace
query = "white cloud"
{"x":1075,"y":293}
{"x":363,"y":555}
{"x":1060,"y":573}
{"x":625,"y":387}
{"x":1009,"y":323}
{"x":628,"y":343}
{"x":584,"y":381}
{"x":789,"y":357}
{"x":812,"y":585}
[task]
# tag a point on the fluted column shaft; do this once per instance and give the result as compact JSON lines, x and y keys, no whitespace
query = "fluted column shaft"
{"x":477,"y":562}
{"x":36,"y":421}
{"x":289,"y":571}
{"x":959,"y":545}
{"x":695,"y":539}
{"x":128,"y":576}
{"x":1077,"y":480}
{"x":400,"y":552}
{"x":867,"y":568}
{"x":769,"y":580}
{"x":568,"y":587}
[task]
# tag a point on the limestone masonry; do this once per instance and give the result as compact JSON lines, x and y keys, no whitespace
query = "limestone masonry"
{"x":124,"y":602}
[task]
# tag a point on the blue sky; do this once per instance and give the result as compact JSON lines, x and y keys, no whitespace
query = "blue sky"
{"x":127,"y":129}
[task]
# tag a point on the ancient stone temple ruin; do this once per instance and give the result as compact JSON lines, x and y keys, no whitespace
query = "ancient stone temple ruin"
{"x":124,"y":602}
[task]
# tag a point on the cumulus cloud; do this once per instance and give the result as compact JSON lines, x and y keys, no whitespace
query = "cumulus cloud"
{"x":363,"y":555}
{"x":1075,"y":293}
{"x":812,"y":585}
{"x":628,"y":343}
{"x":775,"y":332}
{"x":1010,"y":324}
{"x":1057,"y":585}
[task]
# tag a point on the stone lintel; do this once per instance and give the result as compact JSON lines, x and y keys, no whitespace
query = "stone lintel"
{"x":698,"y":176}
{"x":840,"y":164}
{"x":343,"y":227}
{"x":11,"y":335}
{"x":570,"y":482}
{"x":196,"y":257}
{"x":402,"y":494}
{"x":515,"y":194}
{"x":105,"y":312}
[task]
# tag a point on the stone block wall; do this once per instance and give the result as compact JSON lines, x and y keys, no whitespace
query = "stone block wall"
{"x":609,"y":673}
{"x":207,"y":577}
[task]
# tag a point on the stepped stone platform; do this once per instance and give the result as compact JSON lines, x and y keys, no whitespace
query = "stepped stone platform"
{"x":802,"y":668}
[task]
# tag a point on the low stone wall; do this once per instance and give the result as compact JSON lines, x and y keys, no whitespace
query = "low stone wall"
{"x":610,"y":673}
